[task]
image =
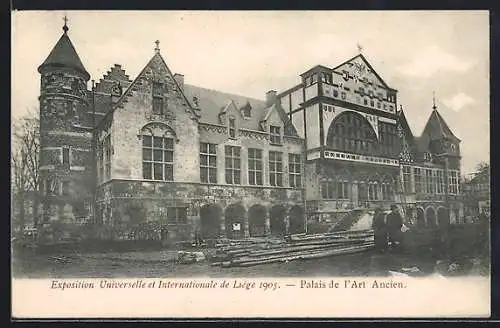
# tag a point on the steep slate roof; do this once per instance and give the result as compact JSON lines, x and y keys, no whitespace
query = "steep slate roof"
{"x":212,"y":103}
{"x":64,"y":55}
{"x":436,"y":127}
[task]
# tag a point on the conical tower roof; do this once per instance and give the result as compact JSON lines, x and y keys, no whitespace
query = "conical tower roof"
{"x":64,"y":55}
{"x":437,"y":128}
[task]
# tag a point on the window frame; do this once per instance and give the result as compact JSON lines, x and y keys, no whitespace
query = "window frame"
{"x":276,"y":168}
{"x":275,"y":135}
{"x":295,"y":170}
{"x":233,"y":171}
{"x":211,"y":158}
{"x":158,"y":101}
{"x":177,"y":219}
{"x":167,"y":175}
{"x":255,"y":157}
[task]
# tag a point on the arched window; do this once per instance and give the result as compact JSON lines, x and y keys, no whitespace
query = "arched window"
{"x":351,"y":132}
{"x":157,"y":152}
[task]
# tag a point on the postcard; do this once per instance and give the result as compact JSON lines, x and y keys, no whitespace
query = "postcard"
{"x":250,"y":164}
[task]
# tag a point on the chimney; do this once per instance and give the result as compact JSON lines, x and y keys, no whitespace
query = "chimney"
{"x":179,"y":78}
{"x":270,"y":97}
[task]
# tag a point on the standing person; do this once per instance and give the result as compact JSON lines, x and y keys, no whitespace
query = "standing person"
{"x":379,"y":230}
{"x":394,"y":224}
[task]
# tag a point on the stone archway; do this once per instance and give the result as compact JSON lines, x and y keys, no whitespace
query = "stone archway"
{"x":430,"y":216}
{"x":257,"y":220}
{"x":210,"y":220}
{"x":420,"y":217}
{"x":442,"y":216}
{"x":277,"y":216}
{"x":297,"y":219}
{"x":235,"y":221}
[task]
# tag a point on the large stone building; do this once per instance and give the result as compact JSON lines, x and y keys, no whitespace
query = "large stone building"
{"x":155,"y":150}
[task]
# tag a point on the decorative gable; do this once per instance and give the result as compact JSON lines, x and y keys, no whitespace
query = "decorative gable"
{"x":359,"y":68}
{"x":157,"y":80}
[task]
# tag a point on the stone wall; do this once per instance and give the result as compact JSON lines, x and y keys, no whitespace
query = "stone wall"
{"x":150,"y":201}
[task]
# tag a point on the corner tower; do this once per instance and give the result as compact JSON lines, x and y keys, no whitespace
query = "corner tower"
{"x":65,"y":138}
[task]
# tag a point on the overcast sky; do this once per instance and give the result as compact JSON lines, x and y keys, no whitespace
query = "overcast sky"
{"x":249,"y":53}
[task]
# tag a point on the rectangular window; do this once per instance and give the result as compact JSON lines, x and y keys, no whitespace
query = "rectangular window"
{"x":100,"y":163}
{"x":453,"y":182}
{"x":233,"y":165}
{"x":208,"y":163}
{"x":407,"y":179}
{"x":157,"y":158}
{"x":327,"y":190}
{"x":65,"y":188}
{"x":440,"y":182}
{"x":158,"y":105}
{"x":177,"y":215}
{"x":65,"y":156}
{"x":275,"y":169}
{"x":342,"y":190}
{"x":255,"y":167}
{"x":158,"y":98}
{"x":373,"y":191}
{"x":417,"y":173}
{"x":294,"y":170}
{"x":232,"y":128}
{"x":275,"y":135}
{"x":386,"y":191}
{"x":429,"y":183}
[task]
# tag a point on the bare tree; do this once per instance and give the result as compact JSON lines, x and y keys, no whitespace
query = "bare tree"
{"x":25,"y":160}
{"x":483,"y":167}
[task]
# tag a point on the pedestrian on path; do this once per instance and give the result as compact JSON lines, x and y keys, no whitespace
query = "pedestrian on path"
{"x":394,"y":224}
{"x":379,"y":230}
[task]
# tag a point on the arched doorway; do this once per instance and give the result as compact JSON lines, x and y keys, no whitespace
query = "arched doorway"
{"x":420,"y":217}
{"x":257,"y":220}
{"x":235,"y":221}
{"x":210,"y":218}
{"x":277,"y":217}
{"x":430,"y":214}
{"x":296,"y":219}
{"x":442,"y":215}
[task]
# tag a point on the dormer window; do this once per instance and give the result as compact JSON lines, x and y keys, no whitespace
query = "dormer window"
{"x":158,"y":99}
{"x":275,"y":134}
{"x":246,"y":111}
{"x":232,"y":128}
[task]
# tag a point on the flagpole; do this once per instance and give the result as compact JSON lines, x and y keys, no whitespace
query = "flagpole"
{"x":94,"y":159}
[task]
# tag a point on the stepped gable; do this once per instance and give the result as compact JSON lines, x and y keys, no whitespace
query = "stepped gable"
{"x":115,"y":75}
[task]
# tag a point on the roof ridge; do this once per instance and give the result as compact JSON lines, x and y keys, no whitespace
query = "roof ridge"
{"x":225,"y":93}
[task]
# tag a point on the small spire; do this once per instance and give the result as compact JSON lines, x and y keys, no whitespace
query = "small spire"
{"x":157,"y":49}
{"x":65,"y":27}
{"x":434,"y":100}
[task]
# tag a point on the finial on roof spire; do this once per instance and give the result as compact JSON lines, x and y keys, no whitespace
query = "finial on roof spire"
{"x":360,"y":48}
{"x":434,"y":100}
{"x":65,"y":27}
{"x":157,"y":49}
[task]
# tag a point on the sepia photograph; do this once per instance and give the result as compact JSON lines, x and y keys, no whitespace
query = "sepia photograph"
{"x":248,"y":145}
